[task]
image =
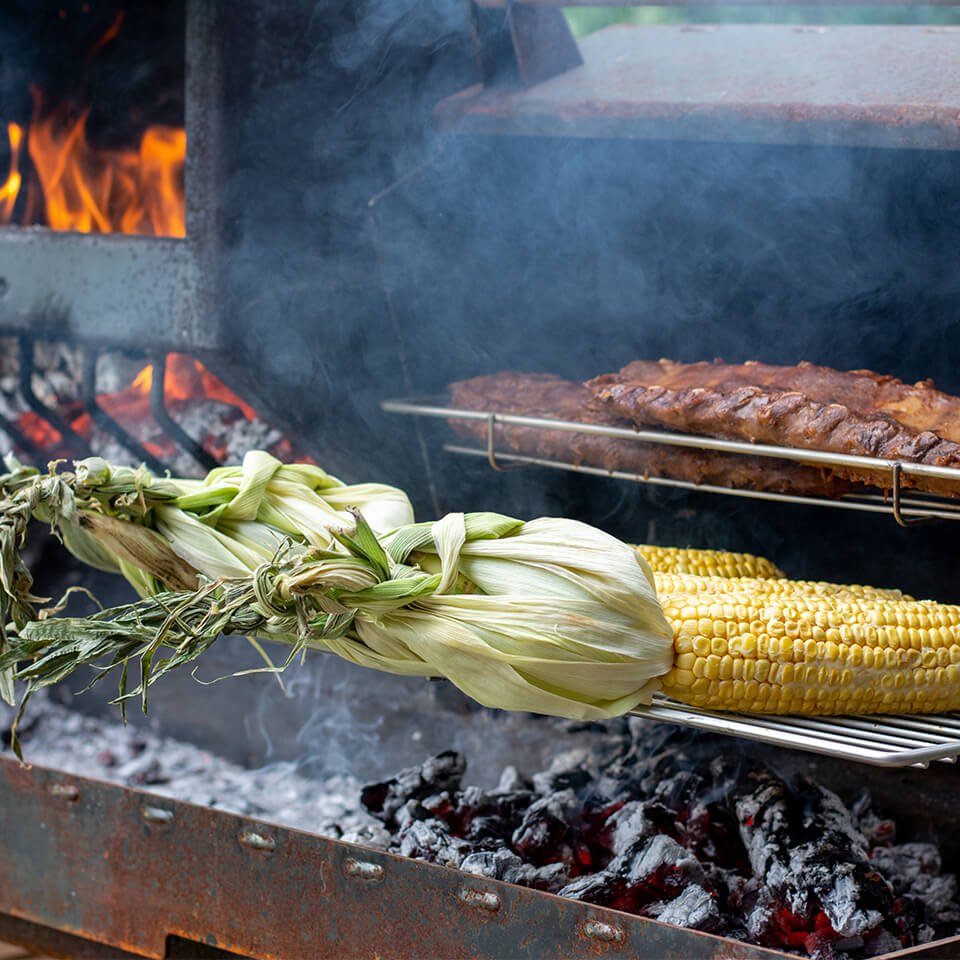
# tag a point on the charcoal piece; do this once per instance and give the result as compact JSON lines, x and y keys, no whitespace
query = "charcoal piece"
{"x":938,"y":897}
{"x":629,"y":827}
{"x":143,"y":771}
{"x":712,"y":832}
{"x":431,"y":841}
{"x":442,"y":772}
{"x":545,"y":828}
{"x":488,"y":829}
{"x":879,"y":831}
{"x":694,"y":908}
{"x":806,"y":847}
{"x":880,"y":942}
{"x":503,"y":864}
{"x":905,"y":863}
{"x":680,"y":792}
{"x":373,"y":835}
{"x":551,"y":877}
{"x":569,"y":770}
{"x":661,"y":864}
{"x":553,"y":781}
{"x":474,"y":813}
{"x":512,"y":781}
{"x":410,"y":811}
{"x":602,"y":888}
{"x":499,"y":864}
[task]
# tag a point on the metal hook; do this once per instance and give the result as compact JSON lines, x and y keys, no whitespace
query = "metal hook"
{"x":492,"y":453}
{"x":897,"y":491}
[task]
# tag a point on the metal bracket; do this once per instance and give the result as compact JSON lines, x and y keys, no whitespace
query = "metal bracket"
{"x":896,"y":485}
{"x":492,"y":453}
{"x":539,"y":46}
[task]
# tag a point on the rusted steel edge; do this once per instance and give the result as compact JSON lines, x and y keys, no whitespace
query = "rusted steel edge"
{"x":125,"y":869}
{"x":476,"y":111}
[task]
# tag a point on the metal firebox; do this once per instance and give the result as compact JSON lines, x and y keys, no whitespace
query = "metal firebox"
{"x":378,"y":203}
{"x":90,"y":865}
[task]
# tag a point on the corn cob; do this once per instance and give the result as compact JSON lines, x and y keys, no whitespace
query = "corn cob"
{"x":813,"y":654}
{"x":707,"y":563}
{"x":673,"y":584}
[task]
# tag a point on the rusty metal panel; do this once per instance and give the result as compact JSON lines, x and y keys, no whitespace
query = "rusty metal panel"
{"x":878,"y":86}
{"x":118,"y":867}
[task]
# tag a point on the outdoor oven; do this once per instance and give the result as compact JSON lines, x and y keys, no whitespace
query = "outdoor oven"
{"x":380,"y":199}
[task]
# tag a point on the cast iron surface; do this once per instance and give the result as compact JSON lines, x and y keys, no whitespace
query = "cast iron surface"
{"x":119,"y":867}
{"x":880,"y":86}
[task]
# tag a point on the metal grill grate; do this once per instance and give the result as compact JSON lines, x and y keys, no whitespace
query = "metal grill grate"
{"x":906,"y":509}
{"x":888,"y":741}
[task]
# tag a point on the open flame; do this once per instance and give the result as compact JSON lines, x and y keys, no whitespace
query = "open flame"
{"x":138,"y":190}
{"x":11,"y":186}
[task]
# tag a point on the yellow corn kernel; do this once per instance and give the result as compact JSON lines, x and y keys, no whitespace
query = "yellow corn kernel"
{"x":832,"y":651}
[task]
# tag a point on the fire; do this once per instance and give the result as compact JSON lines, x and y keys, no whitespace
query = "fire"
{"x":99,"y":191}
{"x":107,"y":191}
{"x":187,"y":384}
{"x":187,"y":381}
{"x":11,"y":187}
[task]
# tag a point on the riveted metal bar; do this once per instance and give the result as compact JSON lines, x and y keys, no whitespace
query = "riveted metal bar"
{"x":82,"y":869}
{"x":156,"y":815}
{"x":257,"y":840}
{"x":362,"y":870}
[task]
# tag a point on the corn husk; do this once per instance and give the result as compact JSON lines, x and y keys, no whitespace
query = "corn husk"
{"x":550,"y":616}
{"x":162,"y":533}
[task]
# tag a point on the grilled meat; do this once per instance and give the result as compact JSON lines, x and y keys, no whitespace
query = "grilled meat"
{"x":918,"y":406}
{"x":550,"y":397}
{"x":722,"y":406}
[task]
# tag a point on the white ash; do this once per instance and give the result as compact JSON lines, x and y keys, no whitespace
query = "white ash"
{"x":226,"y":428}
{"x":67,"y":740}
{"x":694,"y":908}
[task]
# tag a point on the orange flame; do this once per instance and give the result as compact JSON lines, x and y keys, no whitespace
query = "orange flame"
{"x":11,"y":187}
{"x":187,"y":381}
{"x":108,"y":191}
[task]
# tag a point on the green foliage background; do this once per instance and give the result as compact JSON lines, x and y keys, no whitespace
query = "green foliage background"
{"x":584,"y":20}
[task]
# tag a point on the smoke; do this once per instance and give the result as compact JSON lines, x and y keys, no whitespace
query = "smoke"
{"x":570,"y":255}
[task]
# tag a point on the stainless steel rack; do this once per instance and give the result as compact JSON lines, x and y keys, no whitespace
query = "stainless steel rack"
{"x":906,"y":509}
{"x":880,"y":741}
{"x":887,"y":741}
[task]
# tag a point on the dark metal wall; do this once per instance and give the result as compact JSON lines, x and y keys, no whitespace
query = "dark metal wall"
{"x":570,"y":256}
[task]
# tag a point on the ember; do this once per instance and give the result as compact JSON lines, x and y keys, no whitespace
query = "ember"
{"x":656,"y":827}
{"x":224,"y":424}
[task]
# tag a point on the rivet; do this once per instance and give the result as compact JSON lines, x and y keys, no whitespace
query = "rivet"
{"x":258,"y":841}
{"x":607,"y":932}
{"x":481,"y":899}
{"x":363,"y":870}
{"x":156,"y":814}
{"x":64,"y":791}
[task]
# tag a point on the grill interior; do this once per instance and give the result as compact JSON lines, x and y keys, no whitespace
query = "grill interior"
{"x":381,"y":201}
